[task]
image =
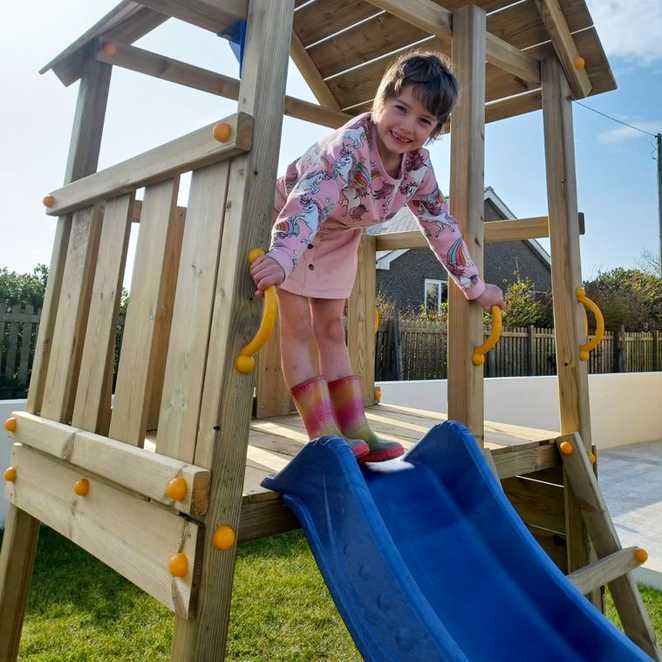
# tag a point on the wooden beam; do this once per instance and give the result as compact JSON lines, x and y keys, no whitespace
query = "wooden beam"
{"x":136,"y":469}
{"x":564,"y":45}
{"x":133,"y":536}
{"x":207,"y":14}
{"x":311,"y":75}
{"x":604,"y":571}
{"x":227,"y":400}
{"x":604,"y":537}
{"x":192,"y":151}
{"x":437,"y":20}
{"x":165,"y":68}
{"x":465,"y":320}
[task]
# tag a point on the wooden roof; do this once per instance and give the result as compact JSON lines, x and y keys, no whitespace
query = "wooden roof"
{"x":345,"y":45}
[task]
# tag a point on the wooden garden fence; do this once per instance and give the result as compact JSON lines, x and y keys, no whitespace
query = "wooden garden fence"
{"x":416,"y":349}
{"x":18,"y":332}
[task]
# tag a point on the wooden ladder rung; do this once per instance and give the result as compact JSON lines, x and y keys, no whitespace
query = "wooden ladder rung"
{"x":605,"y":570}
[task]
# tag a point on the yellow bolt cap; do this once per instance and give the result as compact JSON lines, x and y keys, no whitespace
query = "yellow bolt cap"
{"x":10,"y":474}
{"x":49,"y":201}
{"x":580,"y":63}
{"x":10,"y":424}
{"x":594,"y":458}
{"x":82,"y":487}
{"x":178,"y":565}
{"x":222,"y":132}
{"x":177,"y":489}
{"x":566,"y":448}
{"x":224,"y":537}
{"x":641,"y":555}
{"x":378,"y":393}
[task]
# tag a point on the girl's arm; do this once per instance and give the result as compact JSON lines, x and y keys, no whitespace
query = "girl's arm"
{"x":444,"y":236}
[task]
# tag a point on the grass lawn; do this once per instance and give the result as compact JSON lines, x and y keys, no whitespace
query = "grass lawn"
{"x":80,"y":610}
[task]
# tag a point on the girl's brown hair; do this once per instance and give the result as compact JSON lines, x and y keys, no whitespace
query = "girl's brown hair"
{"x":432,"y":82}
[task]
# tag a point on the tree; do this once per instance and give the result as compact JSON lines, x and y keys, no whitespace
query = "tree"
{"x":628,"y":297}
{"x":522,"y":307}
{"x":18,"y":288}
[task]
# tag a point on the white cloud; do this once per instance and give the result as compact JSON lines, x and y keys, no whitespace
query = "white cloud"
{"x":624,"y":133}
{"x":629,"y":28}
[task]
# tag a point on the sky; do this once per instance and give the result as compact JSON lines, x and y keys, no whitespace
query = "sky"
{"x":616,"y":168}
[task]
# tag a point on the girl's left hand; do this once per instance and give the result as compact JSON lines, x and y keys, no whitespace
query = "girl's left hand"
{"x":492,"y":296}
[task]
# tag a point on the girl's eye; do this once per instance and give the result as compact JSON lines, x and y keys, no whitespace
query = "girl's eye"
{"x":402,"y":109}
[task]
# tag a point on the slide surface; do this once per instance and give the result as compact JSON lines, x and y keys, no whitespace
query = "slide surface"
{"x":431,"y":562}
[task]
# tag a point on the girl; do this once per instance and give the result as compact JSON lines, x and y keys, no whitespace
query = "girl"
{"x":360,"y":175}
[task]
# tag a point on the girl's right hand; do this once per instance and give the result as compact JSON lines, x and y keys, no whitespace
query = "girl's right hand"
{"x":266,"y":272}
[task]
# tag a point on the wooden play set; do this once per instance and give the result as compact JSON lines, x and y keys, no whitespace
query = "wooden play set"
{"x":163,"y":484}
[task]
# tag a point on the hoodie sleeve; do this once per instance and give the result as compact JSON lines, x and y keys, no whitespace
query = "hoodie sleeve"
{"x":444,"y":237}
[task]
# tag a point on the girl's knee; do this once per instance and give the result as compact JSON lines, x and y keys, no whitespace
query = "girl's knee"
{"x":330,"y":329}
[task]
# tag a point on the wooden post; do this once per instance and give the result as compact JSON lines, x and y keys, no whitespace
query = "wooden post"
{"x":531,"y":349}
{"x":465,"y":320}
{"x":361,"y":318}
{"x":569,"y":318}
{"x":20,"y":540}
{"x":227,"y":400}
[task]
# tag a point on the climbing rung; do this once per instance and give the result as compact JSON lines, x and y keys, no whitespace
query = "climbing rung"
{"x":605,"y":570}
{"x":133,"y":536}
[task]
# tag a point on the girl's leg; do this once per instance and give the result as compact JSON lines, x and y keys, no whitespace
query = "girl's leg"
{"x":345,"y":388}
{"x":309,"y":391}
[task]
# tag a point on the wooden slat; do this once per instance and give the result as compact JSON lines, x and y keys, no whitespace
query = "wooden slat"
{"x":136,"y":469}
{"x":192,"y":151}
{"x":133,"y":536}
{"x":604,"y":571}
{"x":213,"y":16}
{"x":12,"y":350}
{"x":272,"y":395}
{"x":26,"y":341}
{"x":182,"y":73}
{"x":557,"y":26}
{"x":539,"y":504}
{"x":604,"y":537}
{"x":311,"y":75}
{"x":361,"y":319}
{"x":147,"y":312}
{"x":72,"y":313}
{"x":228,"y":395}
{"x":189,"y":337}
{"x":99,"y":347}
{"x":465,"y":321}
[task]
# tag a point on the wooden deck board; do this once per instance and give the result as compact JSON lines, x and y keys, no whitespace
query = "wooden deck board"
{"x":273,"y":442}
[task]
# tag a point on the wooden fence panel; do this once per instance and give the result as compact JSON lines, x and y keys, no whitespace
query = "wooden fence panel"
{"x":18,"y":328}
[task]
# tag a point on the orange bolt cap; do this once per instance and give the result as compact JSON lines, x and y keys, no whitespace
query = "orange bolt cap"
{"x":566,"y":448}
{"x":224,"y":537}
{"x":109,"y":49}
{"x":580,"y":63}
{"x":10,"y":424}
{"x":222,"y":132}
{"x":641,"y":555}
{"x":178,"y":565}
{"x":10,"y":474}
{"x":594,"y":458}
{"x":49,"y":201}
{"x":378,"y":393}
{"x":177,"y":489}
{"x":82,"y":487}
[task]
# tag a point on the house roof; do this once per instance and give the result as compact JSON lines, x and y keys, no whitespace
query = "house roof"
{"x":405,"y":221}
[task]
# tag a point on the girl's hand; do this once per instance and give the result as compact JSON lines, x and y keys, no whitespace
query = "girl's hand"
{"x":492,"y":296}
{"x":266,"y":272}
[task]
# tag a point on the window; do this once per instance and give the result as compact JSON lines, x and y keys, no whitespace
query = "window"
{"x":434,"y":295}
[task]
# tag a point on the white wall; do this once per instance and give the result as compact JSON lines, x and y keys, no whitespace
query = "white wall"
{"x":626,"y":408}
{"x":6,"y":441}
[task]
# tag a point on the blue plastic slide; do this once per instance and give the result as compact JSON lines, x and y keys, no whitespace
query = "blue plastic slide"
{"x":431,"y":562}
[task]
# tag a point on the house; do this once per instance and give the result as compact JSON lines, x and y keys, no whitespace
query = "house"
{"x":411,"y":278}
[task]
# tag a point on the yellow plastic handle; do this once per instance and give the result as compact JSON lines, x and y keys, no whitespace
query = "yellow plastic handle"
{"x":378,"y":319}
{"x":586,"y":348}
{"x":497,"y":326}
{"x":245,"y":362}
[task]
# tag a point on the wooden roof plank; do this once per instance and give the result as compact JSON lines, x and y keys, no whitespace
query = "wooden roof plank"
{"x":311,"y":74}
{"x":566,"y":50}
{"x":207,"y":14}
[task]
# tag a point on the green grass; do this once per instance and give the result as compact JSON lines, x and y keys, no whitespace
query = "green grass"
{"x":79,"y":610}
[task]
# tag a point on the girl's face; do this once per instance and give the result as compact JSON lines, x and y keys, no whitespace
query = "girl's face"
{"x":404,"y":125}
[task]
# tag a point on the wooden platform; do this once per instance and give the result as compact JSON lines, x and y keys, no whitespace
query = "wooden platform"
{"x":273,"y":442}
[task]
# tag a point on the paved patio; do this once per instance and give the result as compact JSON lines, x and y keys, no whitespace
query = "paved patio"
{"x":631,"y":480}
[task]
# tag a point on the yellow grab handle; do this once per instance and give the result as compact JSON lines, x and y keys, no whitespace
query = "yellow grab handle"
{"x":245,"y":362}
{"x":378,"y":319}
{"x":479,"y":353}
{"x":599,"y":324}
